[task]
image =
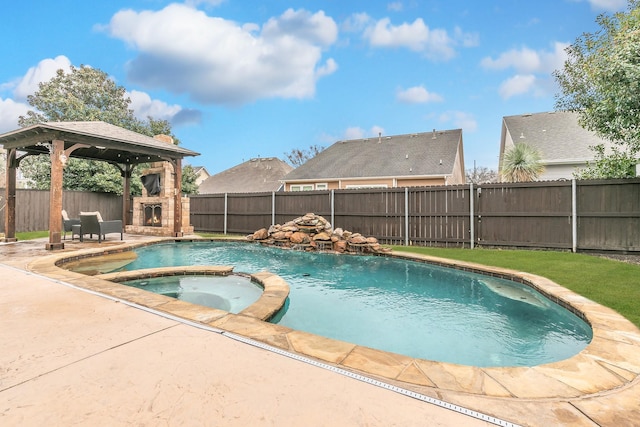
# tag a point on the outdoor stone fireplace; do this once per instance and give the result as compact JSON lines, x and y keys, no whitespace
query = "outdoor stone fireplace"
{"x":154,"y":211}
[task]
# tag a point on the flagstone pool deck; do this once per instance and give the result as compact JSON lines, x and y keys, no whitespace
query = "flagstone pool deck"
{"x":82,"y":349}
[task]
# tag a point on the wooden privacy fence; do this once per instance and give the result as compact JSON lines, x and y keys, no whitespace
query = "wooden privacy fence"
{"x":574,"y":215}
{"x":32,"y":207}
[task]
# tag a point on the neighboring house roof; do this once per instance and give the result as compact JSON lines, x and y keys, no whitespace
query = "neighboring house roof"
{"x":556,"y":135}
{"x":201,"y":174}
{"x":417,"y":154}
{"x":253,"y":176}
{"x":200,"y":169}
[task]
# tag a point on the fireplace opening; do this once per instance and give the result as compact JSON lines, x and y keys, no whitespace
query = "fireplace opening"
{"x":152,"y":215}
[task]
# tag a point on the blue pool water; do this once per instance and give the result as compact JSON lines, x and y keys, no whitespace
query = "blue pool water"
{"x":230,"y":293}
{"x":400,"y":306}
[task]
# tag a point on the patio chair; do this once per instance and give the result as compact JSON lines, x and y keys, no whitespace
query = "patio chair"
{"x":91,"y":223}
{"x":67,"y":224}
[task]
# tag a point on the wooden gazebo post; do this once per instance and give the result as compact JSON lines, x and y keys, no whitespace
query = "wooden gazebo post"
{"x":126,"y":192}
{"x":177,"y":205}
{"x":10,"y":195}
{"x":58,"y":160}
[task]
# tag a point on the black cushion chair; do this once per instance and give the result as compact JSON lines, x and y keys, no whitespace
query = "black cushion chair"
{"x":92,"y":223}
{"x":67,"y":224}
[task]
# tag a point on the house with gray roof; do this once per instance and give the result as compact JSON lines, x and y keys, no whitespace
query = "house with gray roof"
{"x":411,"y":160}
{"x":201,"y":174}
{"x":253,"y":176}
{"x":562,"y":143}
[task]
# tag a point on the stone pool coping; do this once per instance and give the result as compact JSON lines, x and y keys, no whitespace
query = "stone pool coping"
{"x":608,"y":368}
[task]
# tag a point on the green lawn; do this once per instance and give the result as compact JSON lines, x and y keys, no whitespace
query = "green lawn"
{"x":611,"y":283}
{"x":30,"y":235}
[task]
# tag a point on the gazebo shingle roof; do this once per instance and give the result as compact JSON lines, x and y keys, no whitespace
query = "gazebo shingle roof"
{"x":108,"y":142}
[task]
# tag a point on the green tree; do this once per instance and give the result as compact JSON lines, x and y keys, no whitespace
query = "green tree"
{"x":616,"y":164}
{"x":298,"y":156}
{"x":521,"y":163}
{"x":189,"y":178}
{"x":85,"y":94}
{"x":600,"y":81}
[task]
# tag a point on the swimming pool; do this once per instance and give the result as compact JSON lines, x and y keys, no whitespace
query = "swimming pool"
{"x":401,"y":306}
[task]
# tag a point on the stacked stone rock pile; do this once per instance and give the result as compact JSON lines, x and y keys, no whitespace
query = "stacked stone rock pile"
{"x":313,"y":232}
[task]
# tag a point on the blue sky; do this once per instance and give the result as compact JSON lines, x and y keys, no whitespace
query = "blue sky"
{"x":243,"y":79}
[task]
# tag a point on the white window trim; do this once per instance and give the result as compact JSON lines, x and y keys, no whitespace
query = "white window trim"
{"x":322,"y":186}
{"x":301,"y":187}
{"x":360,"y":186}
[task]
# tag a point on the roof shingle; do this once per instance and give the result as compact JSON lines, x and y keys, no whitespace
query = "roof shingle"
{"x":419,"y":154}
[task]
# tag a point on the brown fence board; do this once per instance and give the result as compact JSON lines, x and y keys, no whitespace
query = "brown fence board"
{"x":527,"y":215}
{"x":32,"y":207}
{"x":609,"y":215}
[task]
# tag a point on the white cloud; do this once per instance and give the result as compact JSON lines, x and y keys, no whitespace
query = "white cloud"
{"x":12,"y":108}
{"x":526,"y":60}
{"x":204,"y":2}
{"x":517,"y":85}
{"x":9,"y":113}
{"x":376,"y":130}
{"x":395,"y":6}
{"x":607,"y":5}
{"x":466,"y":39}
{"x":532,"y":69}
{"x":328,"y":68}
{"x":417,"y":95}
{"x":143,"y":106}
{"x":359,"y":133}
{"x":433,"y":43}
{"x":219,"y":61}
{"x":460,"y":120}
{"x":354,"y":133}
{"x":357,"y":22}
{"x":43,"y":72}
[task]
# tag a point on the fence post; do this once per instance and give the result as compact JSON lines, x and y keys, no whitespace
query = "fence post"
{"x":273,"y":208}
{"x":333,"y":209}
{"x":472,"y":230}
{"x":225,"y":213}
{"x":574,"y":216}
{"x":406,"y":216}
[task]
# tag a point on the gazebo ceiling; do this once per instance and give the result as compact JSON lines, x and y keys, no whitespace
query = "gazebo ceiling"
{"x":104,"y":142}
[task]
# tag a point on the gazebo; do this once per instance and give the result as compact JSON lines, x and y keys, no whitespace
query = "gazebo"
{"x":91,"y":140}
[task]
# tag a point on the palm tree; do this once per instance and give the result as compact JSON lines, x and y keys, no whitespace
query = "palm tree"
{"x":521,"y":163}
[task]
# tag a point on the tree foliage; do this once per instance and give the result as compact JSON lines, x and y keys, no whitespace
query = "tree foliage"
{"x":189,"y":178}
{"x":600,"y":81}
{"x":481,"y":174}
{"x":616,"y":164}
{"x":521,"y":163}
{"x":297,"y":157}
{"x":87,"y":94}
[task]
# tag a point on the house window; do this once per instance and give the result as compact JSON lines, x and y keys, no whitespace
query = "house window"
{"x":322,"y":186}
{"x":359,"y":186}
{"x":305,"y":187}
